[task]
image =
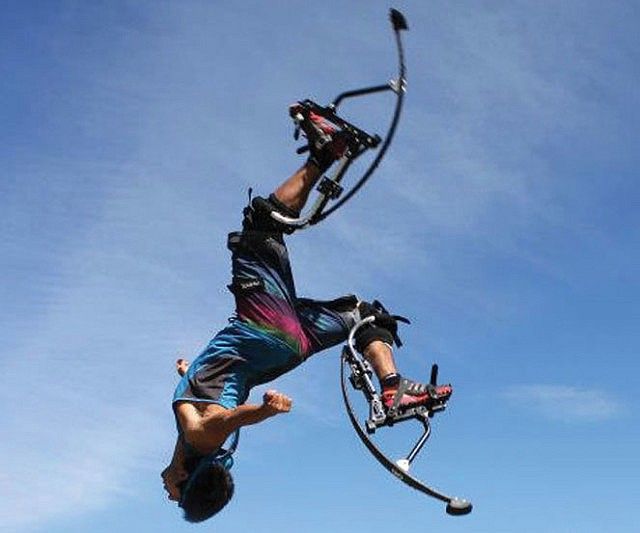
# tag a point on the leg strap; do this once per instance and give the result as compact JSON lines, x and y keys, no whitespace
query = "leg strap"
{"x":257,"y":215}
{"x":384,"y":328}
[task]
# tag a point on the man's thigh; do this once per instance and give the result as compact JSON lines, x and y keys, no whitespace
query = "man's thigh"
{"x":327,"y":323}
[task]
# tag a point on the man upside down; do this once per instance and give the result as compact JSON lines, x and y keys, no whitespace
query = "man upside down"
{"x":272,"y":332}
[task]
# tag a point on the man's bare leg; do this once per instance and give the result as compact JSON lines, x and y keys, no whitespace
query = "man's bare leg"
{"x":380,"y":355}
{"x":295,"y":191}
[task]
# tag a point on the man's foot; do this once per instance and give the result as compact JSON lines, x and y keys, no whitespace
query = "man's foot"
{"x":403,"y":393}
{"x":326,"y":143}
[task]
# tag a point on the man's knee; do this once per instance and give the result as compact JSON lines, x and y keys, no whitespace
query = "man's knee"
{"x":384,"y":328}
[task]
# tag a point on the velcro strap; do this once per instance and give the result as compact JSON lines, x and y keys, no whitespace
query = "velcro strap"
{"x":369,"y":333}
{"x":389,"y":321}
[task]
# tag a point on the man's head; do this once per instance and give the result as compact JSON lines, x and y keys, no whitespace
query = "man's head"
{"x":208,"y":488}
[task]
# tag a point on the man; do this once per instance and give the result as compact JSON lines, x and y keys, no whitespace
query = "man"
{"x":272,"y":332}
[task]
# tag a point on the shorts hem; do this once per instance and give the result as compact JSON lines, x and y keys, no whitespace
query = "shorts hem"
{"x":221,"y":403}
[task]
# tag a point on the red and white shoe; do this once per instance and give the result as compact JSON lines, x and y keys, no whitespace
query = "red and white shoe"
{"x":406,"y":394}
{"x":326,"y":142}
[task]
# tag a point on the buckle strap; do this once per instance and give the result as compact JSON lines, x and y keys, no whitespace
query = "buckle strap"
{"x":384,"y":317}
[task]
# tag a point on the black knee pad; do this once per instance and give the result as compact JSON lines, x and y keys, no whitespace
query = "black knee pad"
{"x":385,"y":327}
{"x":257,"y":215}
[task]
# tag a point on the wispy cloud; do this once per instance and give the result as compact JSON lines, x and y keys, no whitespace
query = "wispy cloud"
{"x":566,"y":403}
{"x":69,"y":460}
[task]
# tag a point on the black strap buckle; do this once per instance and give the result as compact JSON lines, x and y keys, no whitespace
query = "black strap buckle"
{"x":330,"y":188}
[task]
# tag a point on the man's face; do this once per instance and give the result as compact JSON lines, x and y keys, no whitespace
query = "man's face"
{"x":171,"y":479}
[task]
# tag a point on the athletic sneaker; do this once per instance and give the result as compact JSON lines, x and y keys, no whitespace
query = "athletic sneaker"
{"x":406,"y":393}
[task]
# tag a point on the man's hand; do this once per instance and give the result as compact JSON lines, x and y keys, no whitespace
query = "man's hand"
{"x":274,"y":402}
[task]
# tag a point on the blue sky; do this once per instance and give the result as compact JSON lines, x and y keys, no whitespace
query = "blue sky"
{"x":504,"y":222}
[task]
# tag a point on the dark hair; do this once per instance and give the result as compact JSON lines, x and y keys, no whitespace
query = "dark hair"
{"x":207,"y":493}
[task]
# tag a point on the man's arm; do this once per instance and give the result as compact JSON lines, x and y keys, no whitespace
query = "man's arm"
{"x":206,"y":433}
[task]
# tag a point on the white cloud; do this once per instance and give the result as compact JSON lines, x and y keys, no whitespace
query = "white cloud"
{"x":566,"y":403}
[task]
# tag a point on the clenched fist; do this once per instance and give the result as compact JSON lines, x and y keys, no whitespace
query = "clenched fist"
{"x":274,"y":402}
